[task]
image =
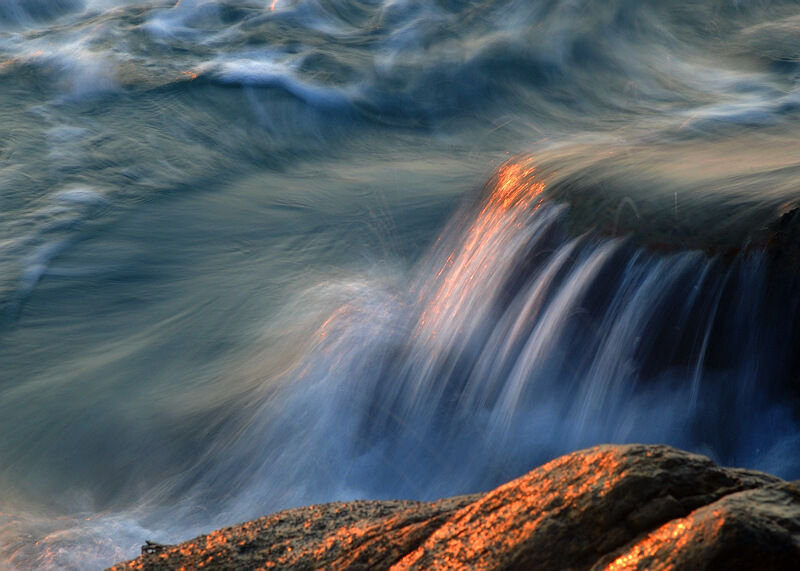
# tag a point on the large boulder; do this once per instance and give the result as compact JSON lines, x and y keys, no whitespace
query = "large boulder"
{"x":608,"y":507}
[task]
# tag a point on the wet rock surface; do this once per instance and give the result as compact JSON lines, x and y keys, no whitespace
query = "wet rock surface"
{"x":719,"y":199}
{"x":608,"y":507}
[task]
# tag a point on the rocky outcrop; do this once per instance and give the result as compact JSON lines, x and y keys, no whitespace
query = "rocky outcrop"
{"x":609,"y":507}
{"x":719,"y":198}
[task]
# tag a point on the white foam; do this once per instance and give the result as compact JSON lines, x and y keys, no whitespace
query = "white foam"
{"x":79,"y":195}
{"x":314,"y":15}
{"x":85,"y":540}
{"x":37,"y":263}
{"x":77,"y":71}
{"x":182,"y":18}
{"x":753,"y":109}
{"x":67,"y":134}
{"x":270,"y":73}
{"x":738,"y":98}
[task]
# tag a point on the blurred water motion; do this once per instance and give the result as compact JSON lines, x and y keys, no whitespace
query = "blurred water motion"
{"x":259,"y":255}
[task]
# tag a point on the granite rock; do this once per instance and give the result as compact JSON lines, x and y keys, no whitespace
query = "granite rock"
{"x":609,"y":507}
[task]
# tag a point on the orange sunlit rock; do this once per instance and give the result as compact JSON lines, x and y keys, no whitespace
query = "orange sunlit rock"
{"x":610,"y":507}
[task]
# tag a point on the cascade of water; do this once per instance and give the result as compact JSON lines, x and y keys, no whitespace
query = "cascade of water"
{"x":517,"y":342}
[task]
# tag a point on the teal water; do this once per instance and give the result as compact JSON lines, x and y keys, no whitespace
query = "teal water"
{"x":255,"y":255}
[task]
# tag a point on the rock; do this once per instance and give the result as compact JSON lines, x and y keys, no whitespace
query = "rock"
{"x":609,"y":507}
{"x":720,"y":198}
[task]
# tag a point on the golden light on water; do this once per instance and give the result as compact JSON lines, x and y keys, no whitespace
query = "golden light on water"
{"x":514,"y":194}
{"x":513,"y":189}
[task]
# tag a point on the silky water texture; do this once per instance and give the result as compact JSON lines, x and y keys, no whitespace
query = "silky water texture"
{"x":258,"y":255}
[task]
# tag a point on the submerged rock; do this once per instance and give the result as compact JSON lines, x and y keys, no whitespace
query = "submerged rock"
{"x":608,"y":507}
{"x":720,"y":198}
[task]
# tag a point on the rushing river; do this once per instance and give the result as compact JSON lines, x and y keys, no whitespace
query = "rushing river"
{"x":256,"y":255}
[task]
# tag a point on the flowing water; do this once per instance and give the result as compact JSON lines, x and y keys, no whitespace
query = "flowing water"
{"x":256,"y":255}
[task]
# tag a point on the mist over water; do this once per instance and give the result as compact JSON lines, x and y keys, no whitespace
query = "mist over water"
{"x":256,"y":255}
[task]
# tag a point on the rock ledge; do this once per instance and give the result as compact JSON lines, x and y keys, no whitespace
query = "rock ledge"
{"x":608,"y":507}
